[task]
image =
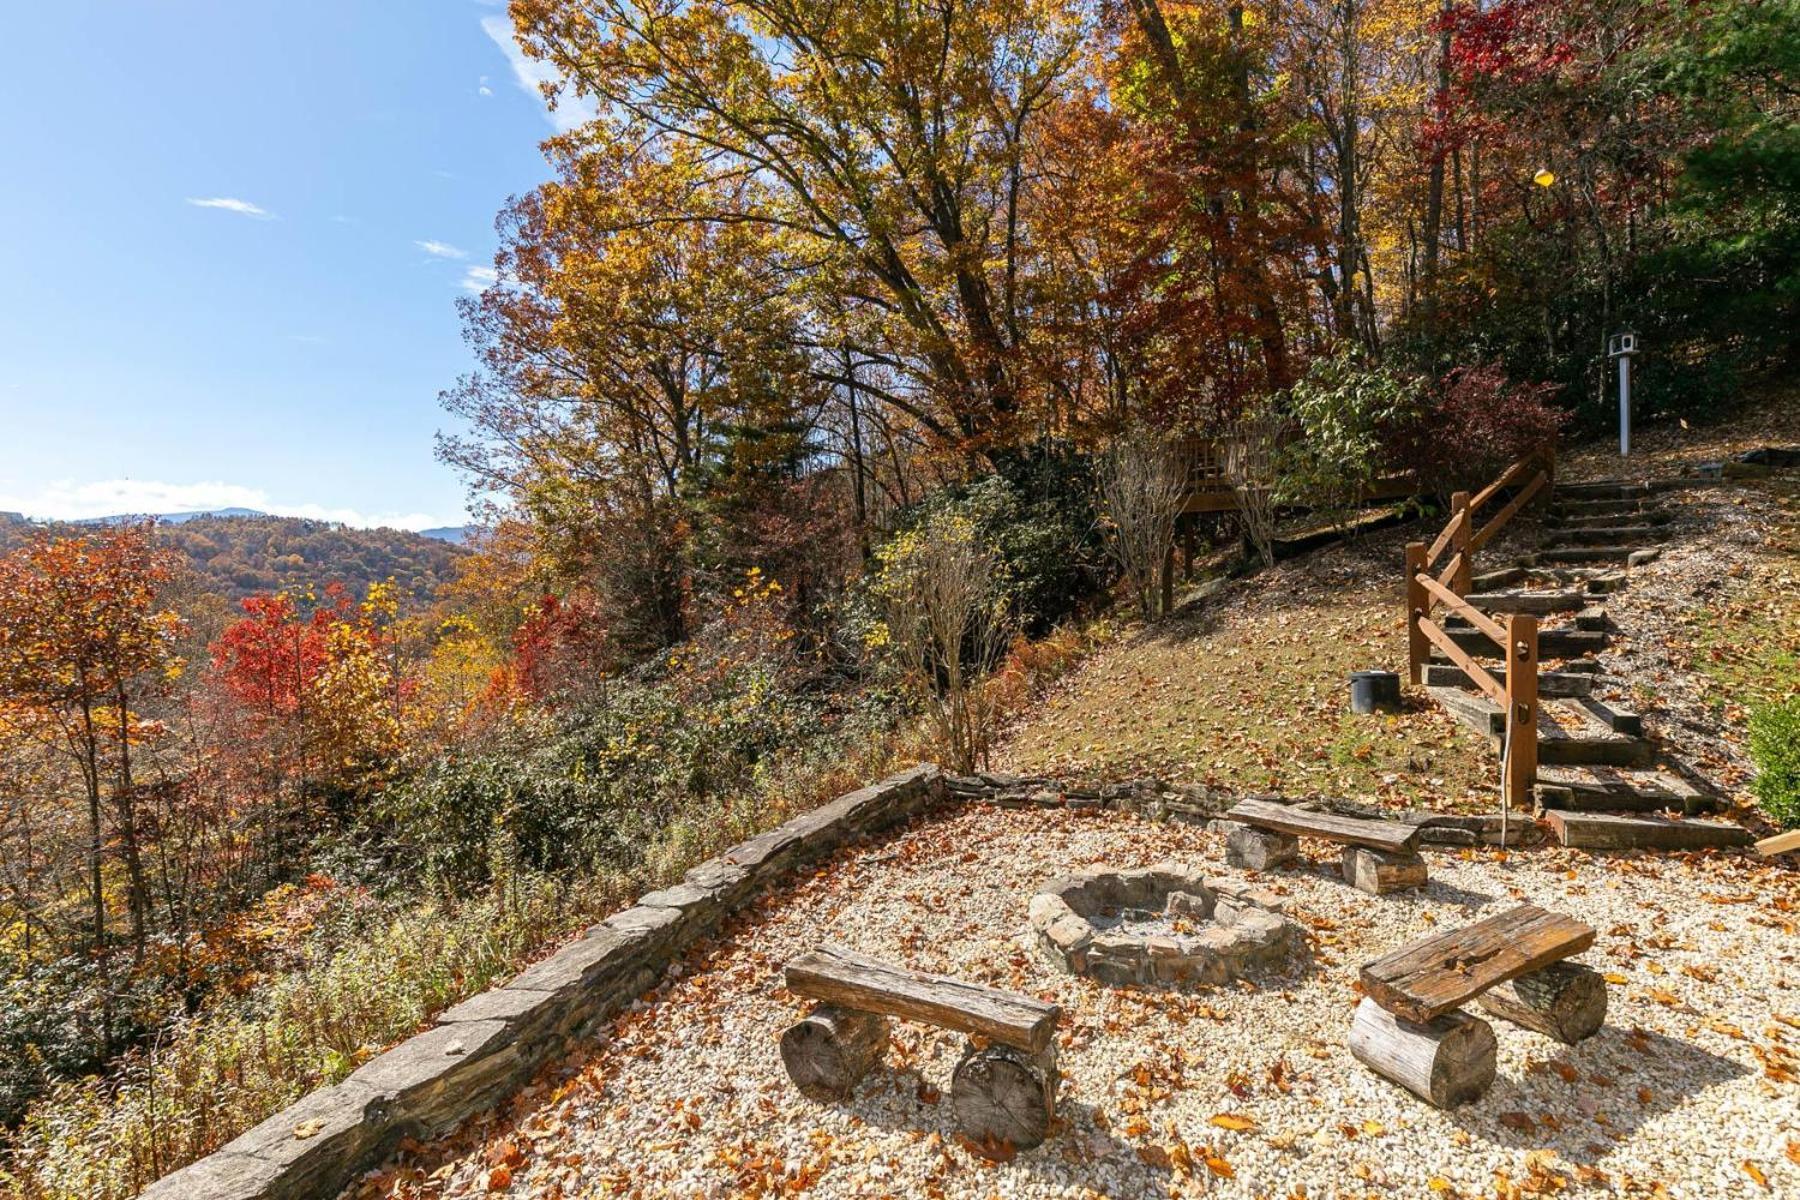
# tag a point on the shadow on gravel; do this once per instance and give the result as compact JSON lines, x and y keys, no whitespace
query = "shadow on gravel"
{"x":1580,"y":1100}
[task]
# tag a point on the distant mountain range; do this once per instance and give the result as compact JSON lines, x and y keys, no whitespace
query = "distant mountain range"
{"x":242,"y":552}
{"x":456,"y":535}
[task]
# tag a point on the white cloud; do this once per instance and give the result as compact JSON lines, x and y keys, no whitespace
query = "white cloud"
{"x":440,"y":249}
{"x":70,"y":501}
{"x":233,"y":204}
{"x":482,"y":88}
{"x":572,"y":111}
{"x":479,"y":279}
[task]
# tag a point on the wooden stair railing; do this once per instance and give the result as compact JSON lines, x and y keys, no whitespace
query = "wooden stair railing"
{"x":1517,"y":694}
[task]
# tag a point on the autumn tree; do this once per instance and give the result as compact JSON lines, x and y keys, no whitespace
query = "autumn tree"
{"x":83,"y":640}
{"x":886,"y":144}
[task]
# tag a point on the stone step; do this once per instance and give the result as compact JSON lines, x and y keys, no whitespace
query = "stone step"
{"x":1566,"y":509}
{"x":1596,"y":581}
{"x":1625,"y":516}
{"x":1590,"y":751}
{"x":1620,"y":789}
{"x":1603,"y":489}
{"x":1471,"y":709}
{"x":1528,"y":601}
{"x":1550,"y":683}
{"x":1619,"y":720}
{"x":1602,"y":535}
{"x":1584,"y":554}
{"x":1605,"y":831}
{"x":1561,"y":742}
{"x":1593,"y":619}
{"x":1557,"y":642}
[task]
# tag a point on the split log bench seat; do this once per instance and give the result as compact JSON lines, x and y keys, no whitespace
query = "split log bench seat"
{"x":1379,"y":856}
{"x":1003,"y":1091}
{"x":1409,"y":1027}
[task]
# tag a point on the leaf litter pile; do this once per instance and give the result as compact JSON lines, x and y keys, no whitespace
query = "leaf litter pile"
{"x":1691,"y":1090}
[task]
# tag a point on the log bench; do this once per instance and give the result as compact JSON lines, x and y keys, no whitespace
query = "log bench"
{"x":1409,"y":1027}
{"x":1003,"y":1091}
{"x":1379,"y":856}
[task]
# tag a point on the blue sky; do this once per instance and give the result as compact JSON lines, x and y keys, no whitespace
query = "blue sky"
{"x":231,"y":238}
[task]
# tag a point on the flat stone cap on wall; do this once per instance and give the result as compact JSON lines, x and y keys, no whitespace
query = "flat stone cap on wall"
{"x":488,"y":1046}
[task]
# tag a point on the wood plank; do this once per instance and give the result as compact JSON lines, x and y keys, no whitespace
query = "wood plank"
{"x":1506,"y":477}
{"x":1506,"y":514}
{"x":850,"y":980}
{"x":1478,"y":674}
{"x":1433,"y":976}
{"x":1781,"y":843}
{"x":1357,"y":831}
{"x":1468,"y":612}
{"x":1603,"y":831}
{"x":1443,"y":539}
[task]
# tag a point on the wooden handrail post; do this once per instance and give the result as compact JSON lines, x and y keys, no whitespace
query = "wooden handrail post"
{"x":1521,"y":708}
{"x":1545,"y":500}
{"x":1462,"y":519}
{"x":1418,"y":646}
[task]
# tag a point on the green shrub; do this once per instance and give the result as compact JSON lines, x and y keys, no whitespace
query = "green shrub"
{"x":1349,"y":411}
{"x":595,"y":789}
{"x":374,"y":974}
{"x":1775,"y":746}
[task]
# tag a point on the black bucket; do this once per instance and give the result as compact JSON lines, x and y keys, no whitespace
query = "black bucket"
{"x":1374,"y":691}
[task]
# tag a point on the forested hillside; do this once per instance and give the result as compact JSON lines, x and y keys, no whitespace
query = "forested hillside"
{"x":845,"y":380}
{"x":240,"y":556}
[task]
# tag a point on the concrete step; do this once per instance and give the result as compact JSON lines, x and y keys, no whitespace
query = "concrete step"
{"x":1602,"y":535}
{"x":1528,"y":601}
{"x":1605,"y":831}
{"x":1550,"y":683}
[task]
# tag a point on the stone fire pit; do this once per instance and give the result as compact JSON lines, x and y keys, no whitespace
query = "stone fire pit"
{"x":1163,"y":924}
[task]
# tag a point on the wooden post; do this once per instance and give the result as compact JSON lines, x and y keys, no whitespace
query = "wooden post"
{"x":1418,"y":646}
{"x":1461,"y":519}
{"x":1521,"y":707}
{"x":1546,"y":499}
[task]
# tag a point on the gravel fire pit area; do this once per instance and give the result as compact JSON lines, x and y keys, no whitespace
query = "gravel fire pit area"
{"x":1244,"y":1089}
{"x":1162,"y":925}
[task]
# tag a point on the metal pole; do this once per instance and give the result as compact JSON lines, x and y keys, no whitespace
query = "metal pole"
{"x":1624,"y":406}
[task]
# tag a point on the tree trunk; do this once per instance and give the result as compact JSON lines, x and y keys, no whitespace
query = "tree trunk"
{"x":1565,"y":1000}
{"x":1447,"y":1061}
{"x":831,"y":1049}
{"x":1005,"y":1097}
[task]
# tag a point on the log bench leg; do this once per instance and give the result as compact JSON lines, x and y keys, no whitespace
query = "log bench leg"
{"x":1447,"y":1061}
{"x":1565,"y":1000}
{"x":1378,"y":872}
{"x":1258,"y":849}
{"x":831,"y":1049}
{"x":1005,"y":1097}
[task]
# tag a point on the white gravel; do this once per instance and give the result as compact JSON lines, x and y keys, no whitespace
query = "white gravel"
{"x":1696,"y":1074}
